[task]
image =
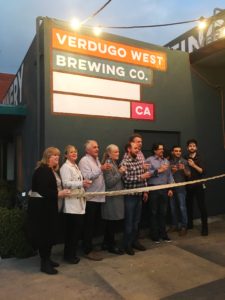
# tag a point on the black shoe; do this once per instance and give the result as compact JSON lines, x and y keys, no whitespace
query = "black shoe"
{"x":72,"y":260}
{"x":54,"y":264}
{"x":138,"y":246}
{"x":47,"y":268}
{"x":116,"y":250}
{"x":129,"y":250}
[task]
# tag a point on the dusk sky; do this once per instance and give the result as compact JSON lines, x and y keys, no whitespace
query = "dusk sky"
{"x":18,"y":20}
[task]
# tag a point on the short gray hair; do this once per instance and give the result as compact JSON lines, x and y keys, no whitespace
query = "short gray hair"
{"x":87,"y":144}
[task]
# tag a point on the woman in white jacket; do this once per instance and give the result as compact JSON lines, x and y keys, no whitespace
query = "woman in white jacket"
{"x":74,"y":208}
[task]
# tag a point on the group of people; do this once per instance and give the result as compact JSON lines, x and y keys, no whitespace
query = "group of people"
{"x":53,"y":192}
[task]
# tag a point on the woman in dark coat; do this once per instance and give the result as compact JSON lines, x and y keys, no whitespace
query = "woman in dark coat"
{"x":43,"y":208}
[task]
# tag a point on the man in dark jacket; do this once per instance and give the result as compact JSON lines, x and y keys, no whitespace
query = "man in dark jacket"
{"x":196,"y":191}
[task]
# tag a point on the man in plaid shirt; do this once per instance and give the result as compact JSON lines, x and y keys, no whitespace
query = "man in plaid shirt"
{"x":134,"y":177}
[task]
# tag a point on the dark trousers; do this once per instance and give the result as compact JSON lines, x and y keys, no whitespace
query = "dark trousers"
{"x":133,"y":204}
{"x":45,"y":251}
{"x":73,"y":232}
{"x":90,"y":218}
{"x":109,"y":233}
{"x":158,"y":207}
{"x":196,"y":192}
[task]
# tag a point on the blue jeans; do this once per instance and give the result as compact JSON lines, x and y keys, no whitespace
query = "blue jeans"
{"x":133,"y":204}
{"x":158,"y":208}
{"x":178,"y":208}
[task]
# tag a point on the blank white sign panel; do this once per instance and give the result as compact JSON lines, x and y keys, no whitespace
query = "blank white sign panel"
{"x":74,"y":104}
{"x":72,"y":83}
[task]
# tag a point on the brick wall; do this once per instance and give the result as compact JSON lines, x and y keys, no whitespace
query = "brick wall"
{"x":5,"y":81}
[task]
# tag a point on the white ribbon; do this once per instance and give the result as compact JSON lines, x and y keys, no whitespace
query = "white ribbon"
{"x":81,"y":193}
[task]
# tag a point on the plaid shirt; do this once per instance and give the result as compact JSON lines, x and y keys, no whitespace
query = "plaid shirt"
{"x":140,"y":156}
{"x":132,"y":176}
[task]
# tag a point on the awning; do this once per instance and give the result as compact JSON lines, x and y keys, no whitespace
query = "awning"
{"x":212,"y":54}
{"x":11,"y":119}
{"x":209,"y":61}
{"x":13,"y":110}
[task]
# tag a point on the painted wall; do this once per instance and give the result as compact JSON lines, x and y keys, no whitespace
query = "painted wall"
{"x":170,"y":92}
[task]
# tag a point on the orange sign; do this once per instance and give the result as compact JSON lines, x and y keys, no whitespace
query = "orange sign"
{"x":87,"y":45}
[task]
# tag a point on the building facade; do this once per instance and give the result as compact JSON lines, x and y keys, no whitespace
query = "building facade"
{"x":73,"y":86}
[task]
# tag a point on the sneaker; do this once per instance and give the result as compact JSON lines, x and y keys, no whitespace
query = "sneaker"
{"x":138,"y":246}
{"x":156,"y":241}
{"x":93,"y":256}
{"x":166,"y":239}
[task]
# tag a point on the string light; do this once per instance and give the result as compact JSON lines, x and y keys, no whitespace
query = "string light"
{"x":75,"y":24}
{"x":202,"y":23}
{"x":97,"y":30}
{"x":222,"y":33}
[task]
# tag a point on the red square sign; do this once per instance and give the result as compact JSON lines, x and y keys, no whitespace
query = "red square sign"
{"x":143,"y":111}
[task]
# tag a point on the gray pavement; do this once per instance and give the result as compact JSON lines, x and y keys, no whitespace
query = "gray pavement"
{"x":190,"y":267}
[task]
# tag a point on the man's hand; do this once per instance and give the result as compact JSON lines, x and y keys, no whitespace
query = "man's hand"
{"x":106,"y":166}
{"x":170,"y":193}
{"x":145,"y":175}
{"x":163,"y":168}
{"x":191,"y":162}
{"x":145,"y":197}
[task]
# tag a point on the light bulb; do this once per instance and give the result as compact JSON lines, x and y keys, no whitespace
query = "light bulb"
{"x":75,"y":23}
{"x":97,"y":30}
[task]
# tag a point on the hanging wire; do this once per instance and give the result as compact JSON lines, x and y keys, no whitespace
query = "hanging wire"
{"x":96,"y":13}
{"x":145,"y":26}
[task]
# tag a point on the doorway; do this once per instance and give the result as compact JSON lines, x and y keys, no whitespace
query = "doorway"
{"x":167,"y":138}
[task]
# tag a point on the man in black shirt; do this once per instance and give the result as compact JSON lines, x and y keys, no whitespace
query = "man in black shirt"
{"x":196,"y":191}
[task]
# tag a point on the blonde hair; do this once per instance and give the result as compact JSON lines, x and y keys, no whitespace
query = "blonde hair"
{"x":107,"y":152}
{"x":67,"y":149}
{"x":48,"y":152}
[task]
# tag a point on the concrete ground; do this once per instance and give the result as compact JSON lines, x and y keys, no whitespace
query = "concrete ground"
{"x":190,"y":267}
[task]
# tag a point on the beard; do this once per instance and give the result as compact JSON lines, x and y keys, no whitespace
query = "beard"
{"x":133,"y":155}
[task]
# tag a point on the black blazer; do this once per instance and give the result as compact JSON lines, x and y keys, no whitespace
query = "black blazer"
{"x":43,"y":212}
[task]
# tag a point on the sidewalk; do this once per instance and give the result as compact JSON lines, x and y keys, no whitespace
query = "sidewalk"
{"x":190,"y":267}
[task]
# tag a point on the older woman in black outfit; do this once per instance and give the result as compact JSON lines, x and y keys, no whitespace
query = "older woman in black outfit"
{"x":43,"y":208}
